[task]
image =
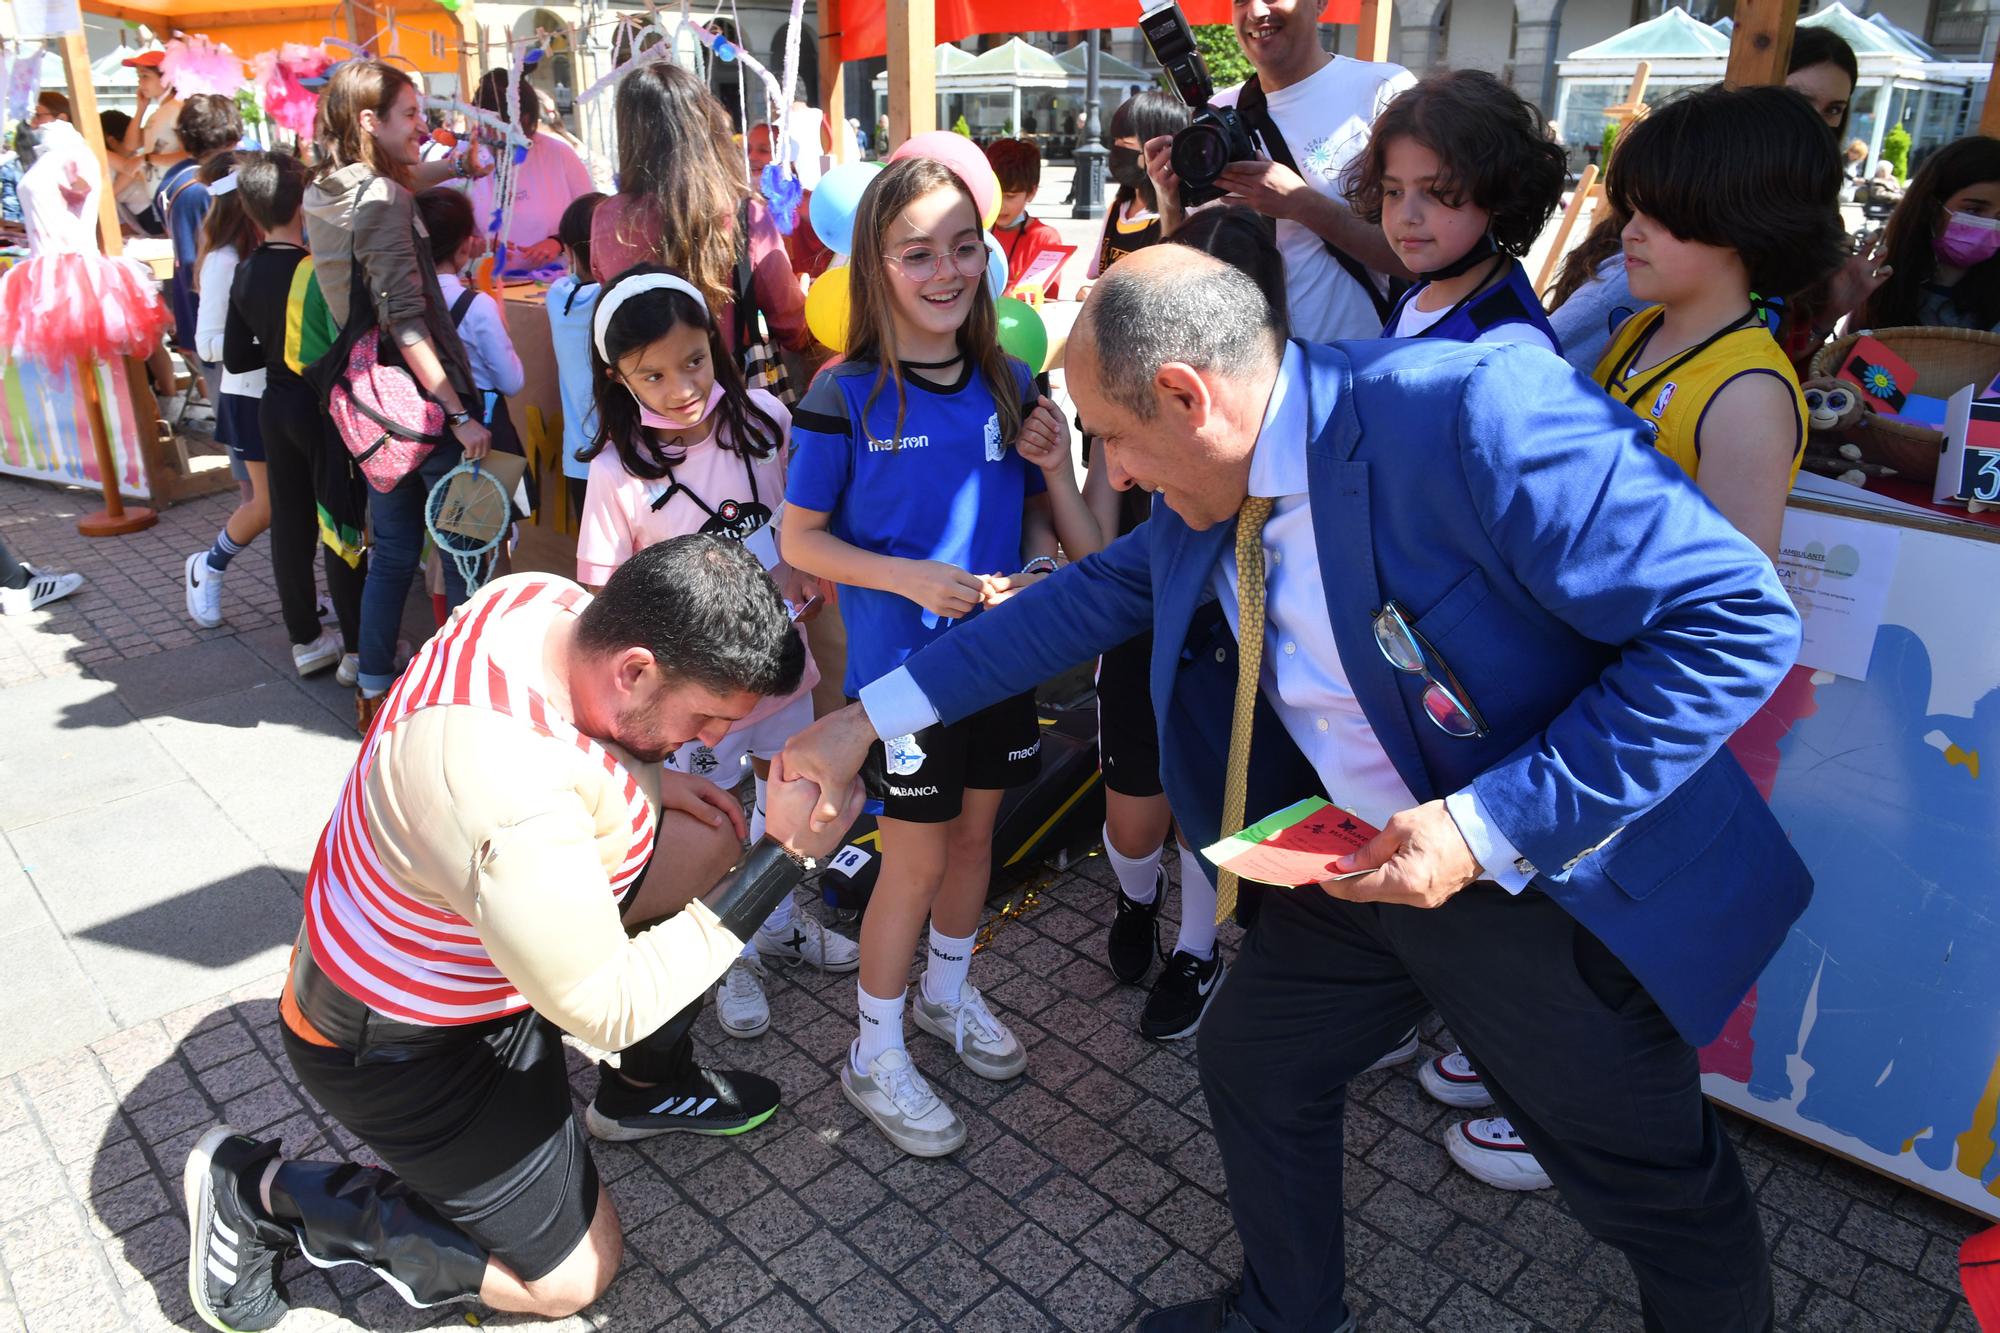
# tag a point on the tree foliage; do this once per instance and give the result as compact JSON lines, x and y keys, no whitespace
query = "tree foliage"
{"x":1227,"y":64}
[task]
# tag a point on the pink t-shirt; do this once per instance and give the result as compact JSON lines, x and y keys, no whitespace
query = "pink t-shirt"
{"x":550,"y":180}
{"x":612,"y":251}
{"x":713,"y":489}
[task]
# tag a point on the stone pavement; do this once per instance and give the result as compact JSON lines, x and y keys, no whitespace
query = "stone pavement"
{"x":159,"y":791}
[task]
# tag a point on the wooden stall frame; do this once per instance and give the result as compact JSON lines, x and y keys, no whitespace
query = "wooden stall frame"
{"x":116,"y":518}
{"x":1761,"y":44}
{"x":1589,"y":186}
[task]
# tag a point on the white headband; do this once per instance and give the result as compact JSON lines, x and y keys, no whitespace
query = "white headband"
{"x":607,"y":304}
{"x":223,"y":186}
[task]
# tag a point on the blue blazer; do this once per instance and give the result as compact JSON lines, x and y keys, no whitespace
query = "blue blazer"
{"x":1612,"y":627}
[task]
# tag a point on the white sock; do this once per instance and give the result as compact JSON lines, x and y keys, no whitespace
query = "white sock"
{"x":950,"y":962}
{"x":1197,"y":907}
{"x":1138,"y":879}
{"x":881,"y":1027}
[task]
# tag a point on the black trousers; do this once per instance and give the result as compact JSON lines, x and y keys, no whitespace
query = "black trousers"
{"x":295,"y":428}
{"x":1575,"y":1052}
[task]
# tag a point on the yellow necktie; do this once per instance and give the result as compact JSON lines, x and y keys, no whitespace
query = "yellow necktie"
{"x":1249,"y":661}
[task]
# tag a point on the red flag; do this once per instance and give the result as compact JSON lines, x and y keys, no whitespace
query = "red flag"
{"x":864,"y":32}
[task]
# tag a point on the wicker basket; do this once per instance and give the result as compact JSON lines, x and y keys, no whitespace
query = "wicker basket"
{"x":1946,"y":360}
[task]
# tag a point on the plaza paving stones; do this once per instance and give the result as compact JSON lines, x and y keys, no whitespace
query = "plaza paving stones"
{"x":154,"y":819}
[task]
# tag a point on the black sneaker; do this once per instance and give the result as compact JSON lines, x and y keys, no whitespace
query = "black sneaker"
{"x":1181,"y":996}
{"x":1135,"y":933}
{"x":234,"y":1245}
{"x":705,"y":1101}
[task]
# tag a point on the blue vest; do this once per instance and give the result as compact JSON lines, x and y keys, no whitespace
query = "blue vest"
{"x":1509,"y":301}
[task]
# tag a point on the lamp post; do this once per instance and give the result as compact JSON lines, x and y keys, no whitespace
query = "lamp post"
{"x":1090,"y":150}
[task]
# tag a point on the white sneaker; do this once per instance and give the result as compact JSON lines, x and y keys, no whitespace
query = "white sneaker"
{"x":43,"y":588}
{"x":1451,"y":1079}
{"x":204,"y":591}
{"x":1405,"y":1049}
{"x":895,"y":1096}
{"x":348,"y":673}
{"x":1491,"y":1151}
{"x":739,"y":999}
{"x":318,"y":655}
{"x":814,"y":944}
{"x":983,"y":1043}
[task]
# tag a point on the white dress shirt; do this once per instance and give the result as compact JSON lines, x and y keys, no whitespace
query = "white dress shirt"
{"x":1302,"y":675}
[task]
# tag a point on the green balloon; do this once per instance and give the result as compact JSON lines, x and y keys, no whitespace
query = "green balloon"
{"x":1022,"y":333}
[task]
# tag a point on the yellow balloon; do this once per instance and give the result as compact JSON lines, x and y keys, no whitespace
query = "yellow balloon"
{"x":992,"y":214}
{"x":827,"y":306}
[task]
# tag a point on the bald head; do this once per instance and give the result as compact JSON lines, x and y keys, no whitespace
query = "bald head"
{"x":1171,"y":304}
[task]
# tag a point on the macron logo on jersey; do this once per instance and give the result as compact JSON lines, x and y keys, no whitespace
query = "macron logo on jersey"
{"x":907,"y":442}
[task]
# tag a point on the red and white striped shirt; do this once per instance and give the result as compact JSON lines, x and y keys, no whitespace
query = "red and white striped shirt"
{"x":398,"y":946}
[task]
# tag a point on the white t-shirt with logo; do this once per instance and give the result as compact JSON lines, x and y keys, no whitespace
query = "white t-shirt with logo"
{"x":1325,"y":120}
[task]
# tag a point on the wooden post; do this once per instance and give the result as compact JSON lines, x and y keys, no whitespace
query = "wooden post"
{"x":1378,"y":22}
{"x":1586,"y":185}
{"x":912,"y":69}
{"x":114,"y":520}
{"x":1989,"y":115}
{"x":1762,"y":43}
{"x":83,"y":114}
{"x":833,"y":80}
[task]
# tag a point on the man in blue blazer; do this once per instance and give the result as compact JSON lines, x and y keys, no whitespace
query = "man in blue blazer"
{"x":1571,"y":870}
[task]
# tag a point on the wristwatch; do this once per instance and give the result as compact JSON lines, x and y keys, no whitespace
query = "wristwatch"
{"x":1041,"y":564}
{"x":458,"y":418}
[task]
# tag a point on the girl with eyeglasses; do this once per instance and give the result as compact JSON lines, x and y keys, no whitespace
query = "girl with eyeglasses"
{"x":913,"y":488}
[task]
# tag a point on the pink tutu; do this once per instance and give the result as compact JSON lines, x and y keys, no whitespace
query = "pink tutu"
{"x":80,"y":307}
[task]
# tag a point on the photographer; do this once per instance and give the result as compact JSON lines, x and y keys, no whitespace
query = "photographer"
{"x":1312,"y":111}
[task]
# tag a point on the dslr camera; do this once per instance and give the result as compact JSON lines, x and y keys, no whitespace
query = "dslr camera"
{"x":1217,"y":135}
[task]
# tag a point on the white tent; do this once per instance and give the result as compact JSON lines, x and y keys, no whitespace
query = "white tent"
{"x":1901,"y":82}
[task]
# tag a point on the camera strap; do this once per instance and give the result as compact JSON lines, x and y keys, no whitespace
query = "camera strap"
{"x":1256,"y":113}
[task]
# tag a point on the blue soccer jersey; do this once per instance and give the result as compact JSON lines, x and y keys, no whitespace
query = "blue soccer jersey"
{"x":943,"y":487}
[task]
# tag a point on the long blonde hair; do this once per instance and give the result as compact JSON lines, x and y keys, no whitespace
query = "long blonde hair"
{"x":357,"y":86}
{"x":678,"y":162}
{"x":871,"y":317}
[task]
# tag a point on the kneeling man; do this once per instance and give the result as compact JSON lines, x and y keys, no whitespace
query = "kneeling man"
{"x":508,"y":862}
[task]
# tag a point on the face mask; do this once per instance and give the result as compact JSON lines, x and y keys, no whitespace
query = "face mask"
{"x":1967,"y":240}
{"x":1125,"y":167}
{"x":649,"y":418}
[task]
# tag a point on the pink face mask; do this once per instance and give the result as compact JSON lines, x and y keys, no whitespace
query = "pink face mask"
{"x":1967,"y":240}
{"x":648,"y":418}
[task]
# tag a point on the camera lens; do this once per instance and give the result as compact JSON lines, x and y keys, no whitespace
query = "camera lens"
{"x":1200,"y":152}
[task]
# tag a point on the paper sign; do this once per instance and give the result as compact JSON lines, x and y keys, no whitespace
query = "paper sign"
{"x":1978,"y":471}
{"x":1838,"y":572}
{"x":471,"y":508}
{"x":47,"y":18}
{"x":1042,"y":270}
{"x":1296,"y":845}
{"x":1885,"y":379}
{"x":1951,"y":473}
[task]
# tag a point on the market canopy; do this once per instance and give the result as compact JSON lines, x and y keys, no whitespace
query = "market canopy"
{"x":426,"y":34}
{"x":1674,"y":33}
{"x":1110,"y":69}
{"x":864,"y":30}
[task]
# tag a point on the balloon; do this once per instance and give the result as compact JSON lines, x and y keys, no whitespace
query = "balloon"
{"x":835,"y":201}
{"x":1022,"y":333}
{"x":996,"y":267}
{"x":964,"y":158}
{"x":827,"y":307}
